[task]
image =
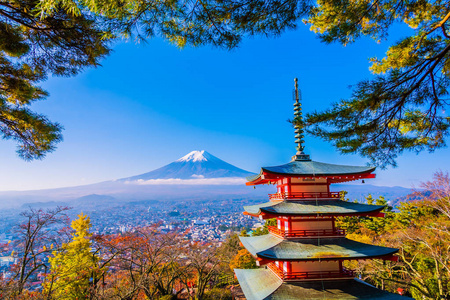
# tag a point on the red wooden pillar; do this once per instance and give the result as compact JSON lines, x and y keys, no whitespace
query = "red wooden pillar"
{"x":289,"y":186}
{"x":289,"y":268}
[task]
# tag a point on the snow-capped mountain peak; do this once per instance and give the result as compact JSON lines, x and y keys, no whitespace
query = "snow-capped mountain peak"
{"x":194,"y":165}
{"x":195,"y":156}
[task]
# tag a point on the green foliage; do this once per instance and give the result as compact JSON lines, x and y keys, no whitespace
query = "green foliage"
{"x":31,"y":48}
{"x":244,"y":232}
{"x":74,"y":268}
{"x":265,"y":229}
{"x":215,"y":22}
{"x":420,"y":230}
{"x":260,"y":231}
{"x":218,"y":294}
{"x":399,"y":108}
{"x":375,"y":225}
{"x":243,"y":260}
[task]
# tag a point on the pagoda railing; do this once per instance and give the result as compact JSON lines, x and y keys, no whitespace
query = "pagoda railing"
{"x":305,"y":233}
{"x":310,"y":275}
{"x":279,"y":272}
{"x":303,"y":195}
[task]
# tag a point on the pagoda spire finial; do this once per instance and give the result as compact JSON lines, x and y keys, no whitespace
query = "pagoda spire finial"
{"x":298,"y":121}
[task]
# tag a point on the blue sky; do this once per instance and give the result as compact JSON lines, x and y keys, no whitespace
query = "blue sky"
{"x":151,"y":103}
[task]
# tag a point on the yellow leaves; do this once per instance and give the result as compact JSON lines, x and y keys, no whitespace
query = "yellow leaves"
{"x":401,"y":55}
{"x":49,"y":7}
{"x":81,"y":226}
{"x":421,"y":13}
{"x":446,"y":68}
{"x":360,"y":238}
{"x":243,"y":260}
{"x":179,"y":41}
{"x":74,"y":265}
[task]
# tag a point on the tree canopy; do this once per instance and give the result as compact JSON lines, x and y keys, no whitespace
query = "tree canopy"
{"x":74,"y":268}
{"x":33,"y":47}
{"x":400,"y":108}
{"x":403,"y":106}
{"x":420,"y":230}
{"x":216,"y":22}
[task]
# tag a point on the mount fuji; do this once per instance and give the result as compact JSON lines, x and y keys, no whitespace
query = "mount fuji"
{"x":194,"y":165}
{"x":198,"y":175}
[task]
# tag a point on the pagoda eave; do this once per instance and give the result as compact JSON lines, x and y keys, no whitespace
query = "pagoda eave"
{"x":307,"y":208}
{"x":261,"y":261}
{"x":264,"y":260}
{"x":260,"y":284}
{"x":266,"y":215}
{"x":272,"y":178}
{"x":310,"y":249}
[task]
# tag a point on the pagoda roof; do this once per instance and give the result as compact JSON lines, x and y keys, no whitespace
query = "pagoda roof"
{"x":313,"y":208}
{"x":271,"y":247}
{"x":263,"y":284}
{"x":309,"y":168}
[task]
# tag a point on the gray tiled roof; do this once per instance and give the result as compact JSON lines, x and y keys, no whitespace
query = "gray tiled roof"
{"x":312,"y":207}
{"x":313,"y":168}
{"x":263,"y":284}
{"x":272,"y":247}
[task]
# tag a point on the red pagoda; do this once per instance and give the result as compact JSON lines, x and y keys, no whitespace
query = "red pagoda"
{"x":303,"y":255}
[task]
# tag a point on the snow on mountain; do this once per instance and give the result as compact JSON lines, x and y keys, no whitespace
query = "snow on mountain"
{"x":197,"y":166}
{"x":196,"y":156}
{"x":197,"y":175}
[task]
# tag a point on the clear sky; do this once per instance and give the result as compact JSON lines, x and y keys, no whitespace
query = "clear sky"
{"x":150,"y":104}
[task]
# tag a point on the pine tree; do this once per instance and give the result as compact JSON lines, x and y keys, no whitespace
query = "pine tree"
{"x":33,"y":46}
{"x":403,"y":106}
{"x":74,"y":268}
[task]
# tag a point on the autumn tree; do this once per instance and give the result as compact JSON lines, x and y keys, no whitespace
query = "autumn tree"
{"x":202,"y":264}
{"x":75,"y":268}
{"x":243,"y":260}
{"x":41,"y":231}
{"x":144,"y":263}
{"x":420,"y":230}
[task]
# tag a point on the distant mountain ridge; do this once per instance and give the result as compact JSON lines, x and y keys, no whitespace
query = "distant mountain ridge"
{"x":194,"y":165}
{"x":197,"y":175}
